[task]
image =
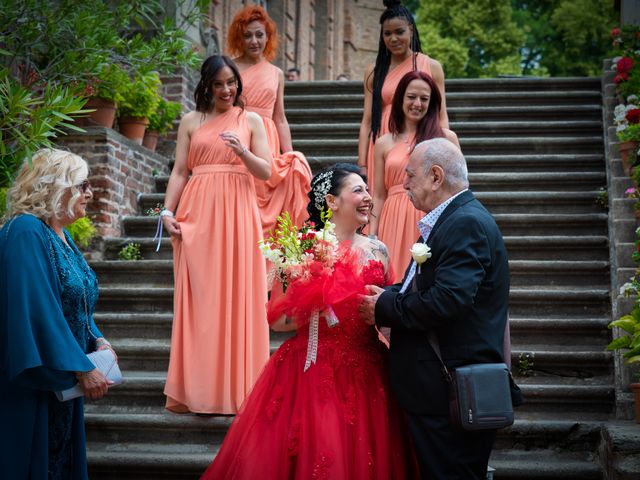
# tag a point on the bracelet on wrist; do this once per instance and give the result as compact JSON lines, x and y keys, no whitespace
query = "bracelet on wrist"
{"x":244,"y":150}
{"x":102,"y":341}
{"x":166,"y":213}
{"x":80,"y":375}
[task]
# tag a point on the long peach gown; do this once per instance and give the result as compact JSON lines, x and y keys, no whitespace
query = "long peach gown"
{"x":398,"y":228}
{"x":290,"y":180}
{"x":388,"y":90}
{"x":220,"y":337}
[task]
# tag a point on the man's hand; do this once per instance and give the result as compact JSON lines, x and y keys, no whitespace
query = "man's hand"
{"x":368,"y":305}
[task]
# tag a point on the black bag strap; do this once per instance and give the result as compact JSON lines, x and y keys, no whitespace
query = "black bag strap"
{"x":435,"y":344}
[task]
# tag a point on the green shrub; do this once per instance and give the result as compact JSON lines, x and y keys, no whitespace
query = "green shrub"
{"x":140,"y":96}
{"x":162,"y":119}
{"x":30,"y":121}
{"x":82,"y":231}
{"x":3,"y":202}
{"x":131,"y":251}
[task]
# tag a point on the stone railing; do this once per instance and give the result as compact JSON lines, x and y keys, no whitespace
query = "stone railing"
{"x":622,"y":225}
{"x":119,"y":170}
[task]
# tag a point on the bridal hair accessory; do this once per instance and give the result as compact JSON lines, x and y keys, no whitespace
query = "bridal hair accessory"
{"x":420,"y":253}
{"x":321,"y":188}
{"x":303,"y":261}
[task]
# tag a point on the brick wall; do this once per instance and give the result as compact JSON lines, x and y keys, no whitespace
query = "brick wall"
{"x":119,"y":170}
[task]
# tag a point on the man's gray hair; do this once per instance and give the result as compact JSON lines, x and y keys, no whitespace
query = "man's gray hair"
{"x":442,"y":152}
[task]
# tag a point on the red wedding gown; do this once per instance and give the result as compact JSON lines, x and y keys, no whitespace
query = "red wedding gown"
{"x":336,"y":421}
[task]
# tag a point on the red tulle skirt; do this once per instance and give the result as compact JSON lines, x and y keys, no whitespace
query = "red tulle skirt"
{"x":335,"y":421}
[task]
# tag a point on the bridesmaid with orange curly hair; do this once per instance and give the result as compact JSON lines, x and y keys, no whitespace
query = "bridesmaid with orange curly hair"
{"x":253,"y":41}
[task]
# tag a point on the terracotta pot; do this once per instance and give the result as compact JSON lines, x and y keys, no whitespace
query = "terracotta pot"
{"x":104,"y":113}
{"x":635,"y":388}
{"x":150,"y":139}
{"x":627,"y":155}
{"x":133,"y":127}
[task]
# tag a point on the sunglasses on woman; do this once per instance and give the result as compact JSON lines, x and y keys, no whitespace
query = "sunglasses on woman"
{"x":84,"y":187}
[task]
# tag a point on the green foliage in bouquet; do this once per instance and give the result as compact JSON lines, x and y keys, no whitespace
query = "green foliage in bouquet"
{"x":3,"y":201}
{"x":82,"y":231}
{"x":162,"y":119}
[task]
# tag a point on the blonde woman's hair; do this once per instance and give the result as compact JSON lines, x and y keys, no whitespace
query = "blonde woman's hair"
{"x":40,"y":187}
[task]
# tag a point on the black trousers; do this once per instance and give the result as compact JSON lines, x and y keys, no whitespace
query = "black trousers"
{"x":446,"y":454}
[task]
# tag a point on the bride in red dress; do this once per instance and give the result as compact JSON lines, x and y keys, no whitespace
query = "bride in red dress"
{"x":336,"y":420}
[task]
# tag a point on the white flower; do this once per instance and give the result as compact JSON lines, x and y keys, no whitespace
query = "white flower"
{"x":632,"y":98}
{"x":615,"y":60}
{"x":274,"y":256}
{"x":619,"y":110}
{"x":420,"y":252}
{"x":630,"y":106}
{"x":627,"y":289}
{"x":620,"y":128}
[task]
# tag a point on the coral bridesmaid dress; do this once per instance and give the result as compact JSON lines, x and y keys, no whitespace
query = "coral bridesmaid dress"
{"x":398,"y":220}
{"x":220,"y":337}
{"x":290,"y":180}
{"x":388,"y":90}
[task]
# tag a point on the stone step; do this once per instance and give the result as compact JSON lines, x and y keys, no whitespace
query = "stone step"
{"x":527,"y":247}
{"x":183,"y":447}
{"x":297,"y":115}
{"x":464,"y":129}
{"x":495,"y":201}
{"x":544,"y":464}
{"x":580,"y":162}
{"x":589,"y":333}
{"x":159,"y":273}
{"x":523,"y":99}
{"x":470,"y":146}
{"x":510,"y":224}
{"x":559,"y":301}
{"x":107,"y":463}
{"x":457,"y":85}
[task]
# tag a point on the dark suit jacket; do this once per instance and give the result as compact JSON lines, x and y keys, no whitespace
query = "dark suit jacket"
{"x":462,"y":294}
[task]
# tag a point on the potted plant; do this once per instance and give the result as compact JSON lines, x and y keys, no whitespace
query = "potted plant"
{"x":160,"y":122}
{"x":104,"y":91}
{"x":629,"y":340}
{"x":140,"y":97}
{"x":627,"y":120}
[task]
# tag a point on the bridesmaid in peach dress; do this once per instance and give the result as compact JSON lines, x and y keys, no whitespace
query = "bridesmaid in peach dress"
{"x":414,"y":117}
{"x":220,"y":338}
{"x":398,"y":53}
{"x":253,"y":38}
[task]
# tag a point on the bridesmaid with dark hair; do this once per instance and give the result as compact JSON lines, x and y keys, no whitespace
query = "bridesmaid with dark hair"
{"x":415,"y":117}
{"x":220,"y":338}
{"x":399,"y":52}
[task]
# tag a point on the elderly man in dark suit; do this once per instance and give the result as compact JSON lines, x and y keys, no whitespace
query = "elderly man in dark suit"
{"x":459,"y":295}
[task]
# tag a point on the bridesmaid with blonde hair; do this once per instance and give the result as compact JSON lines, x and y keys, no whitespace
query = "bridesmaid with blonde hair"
{"x":220,"y":338}
{"x":253,"y":40}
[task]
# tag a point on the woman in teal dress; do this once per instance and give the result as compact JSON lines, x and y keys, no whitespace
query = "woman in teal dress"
{"x":47,"y":297}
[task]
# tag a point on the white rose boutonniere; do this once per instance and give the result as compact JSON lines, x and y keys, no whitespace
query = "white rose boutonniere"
{"x":420,"y":253}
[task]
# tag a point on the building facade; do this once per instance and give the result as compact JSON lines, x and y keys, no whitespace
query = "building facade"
{"x":323,"y":38}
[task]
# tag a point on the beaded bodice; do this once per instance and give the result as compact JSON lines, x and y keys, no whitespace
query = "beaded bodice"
{"x":78,"y":283}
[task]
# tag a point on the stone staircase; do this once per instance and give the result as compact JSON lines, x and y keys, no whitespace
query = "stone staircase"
{"x":535,"y":154}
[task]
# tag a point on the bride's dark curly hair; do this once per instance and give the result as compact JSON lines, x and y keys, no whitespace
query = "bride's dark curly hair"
{"x":329,"y":181}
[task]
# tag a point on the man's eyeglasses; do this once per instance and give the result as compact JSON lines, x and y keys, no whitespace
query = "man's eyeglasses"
{"x":84,"y":187}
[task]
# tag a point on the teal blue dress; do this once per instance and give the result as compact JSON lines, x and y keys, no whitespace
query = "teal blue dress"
{"x":47,"y":298}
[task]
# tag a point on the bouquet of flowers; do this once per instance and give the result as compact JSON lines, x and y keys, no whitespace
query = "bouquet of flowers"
{"x":299,"y":253}
{"x":315,"y":272}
